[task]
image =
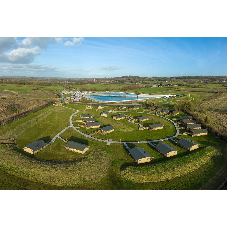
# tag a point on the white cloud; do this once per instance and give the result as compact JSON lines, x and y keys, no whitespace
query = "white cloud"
{"x":7,"y":43}
{"x":75,"y":41}
{"x":23,"y":55}
{"x":111,"y":68}
{"x":42,"y":42}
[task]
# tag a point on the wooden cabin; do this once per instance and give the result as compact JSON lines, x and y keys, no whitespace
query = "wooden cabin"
{"x":142,"y":118}
{"x":77,"y":147}
{"x":155,"y":126}
{"x":89,"y":106}
{"x":193,"y":126}
{"x":166,"y":149}
{"x":93,"y":125}
{"x":188,"y":144}
{"x":89,"y":120}
{"x":106,"y":129}
{"x":86,"y":116}
{"x":34,"y":147}
{"x":188,"y":122}
{"x":140,"y":155}
{"x":119,"y":117}
{"x":199,"y":132}
{"x":100,"y":107}
{"x":104,"y":113}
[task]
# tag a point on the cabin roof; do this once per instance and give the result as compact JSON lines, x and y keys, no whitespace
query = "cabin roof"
{"x":76,"y":145}
{"x":107,"y":128}
{"x":138,"y":153}
{"x":86,"y":115}
{"x":198,"y":131}
{"x":185,"y":117}
{"x":36,"y":145}
{"x":142,"y":117}
{"x":186,"y":121}
{"x":88,"y":119}
{"x":194,"y":126}
{"x":187,"y":143}
{"x":165,"y":148}
{"x":90,"y":124}
{"x":156,"y":125}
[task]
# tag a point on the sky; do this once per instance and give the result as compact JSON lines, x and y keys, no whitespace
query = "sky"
{"x":97,"y":57}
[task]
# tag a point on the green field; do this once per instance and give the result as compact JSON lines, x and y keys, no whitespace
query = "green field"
{"x":22,"y":89}
{"x":103,"y":166}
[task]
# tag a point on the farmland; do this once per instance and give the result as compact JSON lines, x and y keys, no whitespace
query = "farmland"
{"x":109,"y":166}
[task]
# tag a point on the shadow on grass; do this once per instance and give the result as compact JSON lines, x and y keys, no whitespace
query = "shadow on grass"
{"x":46,"y":139}
{"x":48,"y":162}
{"x":79,"y":140}
{"x":156,"y":161}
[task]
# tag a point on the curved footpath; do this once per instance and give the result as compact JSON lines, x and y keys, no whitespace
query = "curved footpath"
{"x":111,"y":141}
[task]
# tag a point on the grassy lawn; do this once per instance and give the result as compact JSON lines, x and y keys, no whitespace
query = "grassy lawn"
{"x":127,"y":131}
{"x":45,"y":128}
{"x":102,"y":166}
{"x":26,"y":88}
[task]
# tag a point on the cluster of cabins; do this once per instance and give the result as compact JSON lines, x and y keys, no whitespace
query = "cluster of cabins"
{"x":162,"y":111}
{"x":141,"y":156}
{"x":38,"y":145}
{"x":91,"y":122}
{"x":191,"y":125}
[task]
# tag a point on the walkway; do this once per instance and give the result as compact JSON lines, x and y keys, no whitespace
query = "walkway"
{"x":110,"y":140}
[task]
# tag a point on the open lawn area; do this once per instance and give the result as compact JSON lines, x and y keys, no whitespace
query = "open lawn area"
{"x":102,"y":166}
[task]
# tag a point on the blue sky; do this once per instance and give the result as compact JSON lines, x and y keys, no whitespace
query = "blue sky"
{"x":111,"y":57}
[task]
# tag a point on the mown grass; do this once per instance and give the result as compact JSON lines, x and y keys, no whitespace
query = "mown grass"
{"x":57,"y":151}
{"x":102,"y":166}
{"x":26,"y":88}
{"x":46,"y":127}
{"x":89,"y":169}
{"x":125,"y":130}
{"x":169,"y":169}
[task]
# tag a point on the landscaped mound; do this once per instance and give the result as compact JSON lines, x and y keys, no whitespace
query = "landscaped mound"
{"x":169,"y":169}
{"x":90,"y":169}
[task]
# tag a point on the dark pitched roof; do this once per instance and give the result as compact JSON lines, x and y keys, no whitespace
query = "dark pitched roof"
{"x":159,"y":109}
{"x":142,"y":117}
{"x":105,"y":112}
{"x":107,"y":128}
{"x":185,"y":117}
{"x":165,"y":111}
{"x":35,"y":146}
{"x":151,"y":107}
{"x":198,"y":131}
{"x":86,"y":115}
{"x":175,"y":111}
{"x":88,"y":119}
{"x":187,"y":143}
{"x":90,"y":124}
{"x":193,"y":126}
{"x":186,"y":121}
{"x":120,"y":116}
{"x":156,"y":125}
{"x":136,"y":107}
{"x":165,"y":148}
{"x":138,"y":153}
{"x":76,"y":145}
